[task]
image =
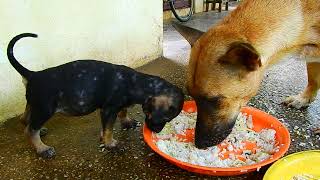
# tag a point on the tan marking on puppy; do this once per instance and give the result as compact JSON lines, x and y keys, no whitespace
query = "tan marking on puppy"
{"x":126,"y":121}
{"x":35,"y":140}
{"x":123,"y":116}
{"x":107,"y":138}
{"x":24,"y":118}
{"x":162,"y":101}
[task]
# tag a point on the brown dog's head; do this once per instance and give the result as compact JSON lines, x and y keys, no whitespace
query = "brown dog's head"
{"x":224,"y":73}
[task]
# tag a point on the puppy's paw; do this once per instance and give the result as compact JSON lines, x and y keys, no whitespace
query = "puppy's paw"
{"x":113,"y":147}
{"x":110,"y":145}
{"x":129,"y":124}
{"x":297,"y":101}
{"x":47,"y":153}
{"x":43,"y":131}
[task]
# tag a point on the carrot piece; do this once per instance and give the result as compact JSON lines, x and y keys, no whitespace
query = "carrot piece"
{"x":241,"y":158}
{"x":224,"y":155}
{"x":250,"y":145}
{"x":187,"y":137}
{"x":190,"y":106}
{"x":223,"y":146}
{"x":238,"y":151}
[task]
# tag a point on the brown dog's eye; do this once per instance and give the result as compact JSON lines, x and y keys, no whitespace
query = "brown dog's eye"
{"x":214,"y":99}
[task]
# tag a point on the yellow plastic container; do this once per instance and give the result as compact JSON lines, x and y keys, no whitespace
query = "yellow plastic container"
{"x":305,"y":162}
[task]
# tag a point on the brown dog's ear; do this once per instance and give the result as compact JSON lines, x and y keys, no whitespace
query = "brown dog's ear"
{"x":190,"y":34}
{"x":242,"y":55}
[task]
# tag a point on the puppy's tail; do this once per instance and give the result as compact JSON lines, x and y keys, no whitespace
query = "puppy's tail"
{"x":13,"y":61}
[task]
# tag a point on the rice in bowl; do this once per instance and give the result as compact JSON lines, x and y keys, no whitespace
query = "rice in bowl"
{"x":242,"y":147}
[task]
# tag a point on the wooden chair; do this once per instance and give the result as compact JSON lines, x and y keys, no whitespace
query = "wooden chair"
{"x":207,"y":2}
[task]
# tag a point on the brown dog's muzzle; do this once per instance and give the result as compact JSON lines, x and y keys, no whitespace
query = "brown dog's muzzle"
{"x":212,"y":125}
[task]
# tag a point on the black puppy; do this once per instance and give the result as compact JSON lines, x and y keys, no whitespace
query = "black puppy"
{"x":80,"y":87}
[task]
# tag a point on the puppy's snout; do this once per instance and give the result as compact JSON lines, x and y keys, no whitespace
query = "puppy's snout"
{"x":155,"y":127}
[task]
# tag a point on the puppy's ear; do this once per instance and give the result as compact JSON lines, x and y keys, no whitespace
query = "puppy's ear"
{"x":162,"y":102}
{"x":190,"y":34}
{"x":242,"y":55}
{"x":148,"y":105}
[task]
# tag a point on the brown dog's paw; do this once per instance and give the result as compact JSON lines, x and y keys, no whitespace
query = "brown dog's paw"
{"x":316,"y":131}
{"x":297,"y":101}
{"x":130,"y":124}
{"x":48,"y":153}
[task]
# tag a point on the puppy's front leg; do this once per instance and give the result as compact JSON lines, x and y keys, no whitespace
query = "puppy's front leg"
{"x":126,"y":121}
{"x":108,"y":117}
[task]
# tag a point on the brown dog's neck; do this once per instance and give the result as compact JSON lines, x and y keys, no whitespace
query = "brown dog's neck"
{"x":274,"y":33}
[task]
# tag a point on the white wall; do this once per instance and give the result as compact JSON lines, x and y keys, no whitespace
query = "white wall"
{"x":125,"y":32}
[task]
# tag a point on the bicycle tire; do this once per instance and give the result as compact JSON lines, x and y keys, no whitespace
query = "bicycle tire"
{"x":181,"y":18}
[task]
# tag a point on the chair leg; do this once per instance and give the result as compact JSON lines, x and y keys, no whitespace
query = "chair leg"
{"x":227,"y":6}
{"x":207,"y":6}
{"x":220,"y":7}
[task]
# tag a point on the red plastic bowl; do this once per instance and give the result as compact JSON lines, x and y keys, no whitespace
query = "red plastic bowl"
{"x":260,"y":120}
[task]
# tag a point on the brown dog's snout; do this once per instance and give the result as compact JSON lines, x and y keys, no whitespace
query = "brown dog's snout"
{"x":207,"y":135}
{"x":212,"y":126}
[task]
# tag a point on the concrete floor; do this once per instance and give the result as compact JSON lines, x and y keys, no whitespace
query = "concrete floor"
{"x":76,"y":139}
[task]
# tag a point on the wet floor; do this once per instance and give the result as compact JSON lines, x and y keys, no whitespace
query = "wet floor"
{"x":76,"y":138}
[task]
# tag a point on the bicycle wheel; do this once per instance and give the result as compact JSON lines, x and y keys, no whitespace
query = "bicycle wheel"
{"x":181,"y":18}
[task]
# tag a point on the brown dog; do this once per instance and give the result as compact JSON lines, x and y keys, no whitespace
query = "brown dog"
{"x":228,"y":61}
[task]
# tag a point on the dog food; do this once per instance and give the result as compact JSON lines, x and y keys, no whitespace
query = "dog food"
{"x":304,"y":177}
{"x":242,"y":147}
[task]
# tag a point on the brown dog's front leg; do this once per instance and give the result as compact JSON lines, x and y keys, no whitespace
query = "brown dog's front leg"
{"x":308,"y":95}
{"x":108,"y":118}
{"x":126,"y":122}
